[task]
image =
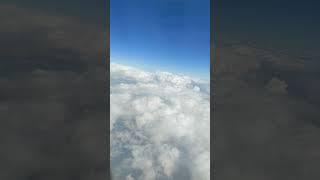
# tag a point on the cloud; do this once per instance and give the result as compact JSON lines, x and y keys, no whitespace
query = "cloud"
{"x":160,"y":125}
{"x":38,"y":38}
{"x":53,"y":125}
{"x":52,"y":97}
{"x":265,"y":121}
{"x":277,"y":86}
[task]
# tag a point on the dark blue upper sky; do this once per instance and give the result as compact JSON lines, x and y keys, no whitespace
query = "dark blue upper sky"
{"x":170,"y":35}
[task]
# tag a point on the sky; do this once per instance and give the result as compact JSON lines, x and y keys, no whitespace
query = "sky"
{"x":87,"y":10}
{"x":168,"y":35}
{"x":291,"y":25}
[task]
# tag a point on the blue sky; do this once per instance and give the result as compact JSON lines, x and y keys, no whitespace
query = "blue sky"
{"x":169,"y":35}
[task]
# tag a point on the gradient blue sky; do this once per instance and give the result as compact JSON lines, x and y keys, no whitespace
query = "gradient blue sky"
{"x":169,"y":35}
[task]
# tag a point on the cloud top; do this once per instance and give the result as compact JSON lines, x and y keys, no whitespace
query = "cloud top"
{"x":160,"y":126}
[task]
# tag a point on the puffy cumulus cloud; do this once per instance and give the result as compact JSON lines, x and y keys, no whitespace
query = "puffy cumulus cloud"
{"x":160,"y":127}
{"x":277,"y":86}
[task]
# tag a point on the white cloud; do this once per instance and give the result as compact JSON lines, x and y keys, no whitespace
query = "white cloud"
{"x":160,"y":125}
{"x":129,"y":177}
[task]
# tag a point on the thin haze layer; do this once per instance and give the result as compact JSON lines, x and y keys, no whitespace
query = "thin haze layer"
{"x":160,"y":126}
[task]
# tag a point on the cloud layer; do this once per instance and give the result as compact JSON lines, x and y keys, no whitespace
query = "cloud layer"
{"x":266,"y":118}
{"x":160,"y":125}
{"x":52,"y":97}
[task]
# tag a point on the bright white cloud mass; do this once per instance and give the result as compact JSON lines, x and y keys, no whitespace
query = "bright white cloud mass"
{"x":160,"y":126}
